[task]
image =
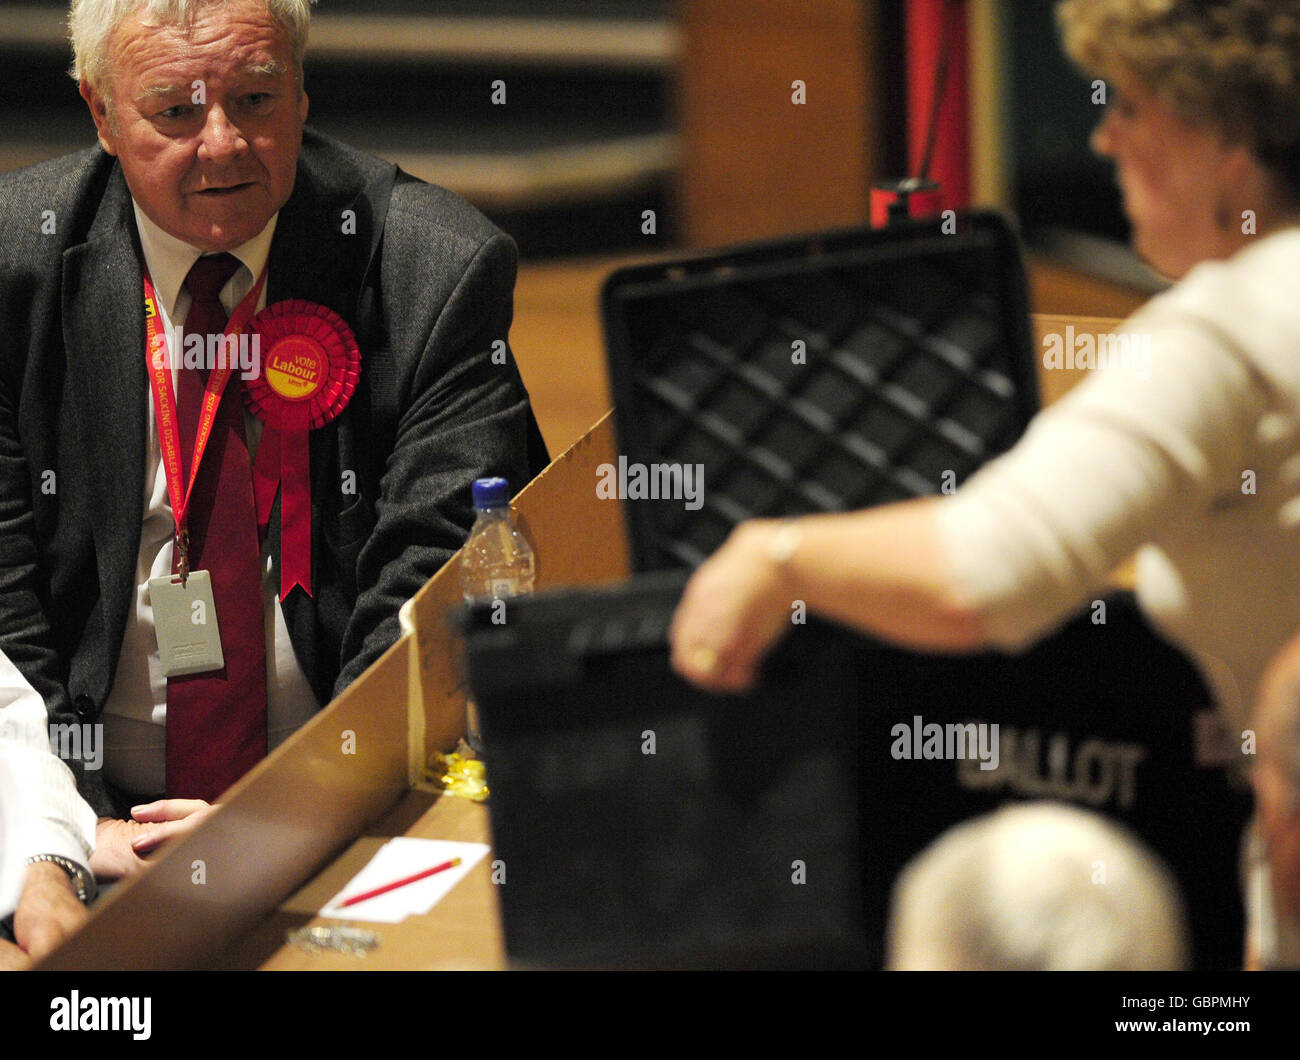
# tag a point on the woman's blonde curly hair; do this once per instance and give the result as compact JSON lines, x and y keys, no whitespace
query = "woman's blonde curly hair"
{"x":1230,"y":63}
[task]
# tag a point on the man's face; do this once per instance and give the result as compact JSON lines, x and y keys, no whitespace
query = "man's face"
{"x":1172,"y":176}
{"x":206,"y":121}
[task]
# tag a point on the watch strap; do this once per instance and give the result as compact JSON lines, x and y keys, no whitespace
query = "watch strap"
{"x":83,"y":881}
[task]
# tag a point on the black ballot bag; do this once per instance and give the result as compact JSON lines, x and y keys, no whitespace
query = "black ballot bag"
{"x":1102,"y":714}
{"x":644,"y":823}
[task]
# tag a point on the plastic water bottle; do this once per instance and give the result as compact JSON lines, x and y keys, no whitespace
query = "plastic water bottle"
{"x":495,"y":564}
{"x":497,"y":561}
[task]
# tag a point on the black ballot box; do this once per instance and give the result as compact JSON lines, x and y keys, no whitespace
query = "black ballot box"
{"x":646,"y":823}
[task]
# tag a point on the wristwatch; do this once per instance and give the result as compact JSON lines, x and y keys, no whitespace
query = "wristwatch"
{"x":83,"y":881}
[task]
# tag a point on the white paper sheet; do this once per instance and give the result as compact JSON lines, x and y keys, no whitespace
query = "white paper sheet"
{"x":395,"y":860}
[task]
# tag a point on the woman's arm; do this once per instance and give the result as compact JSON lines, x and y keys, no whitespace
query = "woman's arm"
{"x":883,"y":570}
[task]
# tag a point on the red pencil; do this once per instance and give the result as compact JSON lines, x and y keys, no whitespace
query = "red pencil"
{"x":400,"y":883}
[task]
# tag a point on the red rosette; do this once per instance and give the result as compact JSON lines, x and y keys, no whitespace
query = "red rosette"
{"x":308,"y":372}
{"x":310,"y":364}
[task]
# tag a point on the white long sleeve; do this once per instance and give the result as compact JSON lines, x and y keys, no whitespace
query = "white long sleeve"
{"x":1197,"y":464}
{"x":60,"y":821}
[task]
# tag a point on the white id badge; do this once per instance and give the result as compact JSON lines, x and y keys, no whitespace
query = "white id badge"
{"x":185,"y":621}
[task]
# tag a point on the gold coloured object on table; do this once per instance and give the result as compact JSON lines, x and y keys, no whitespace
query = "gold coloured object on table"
{"x":459,"y":775}
{"x":341,"y":938}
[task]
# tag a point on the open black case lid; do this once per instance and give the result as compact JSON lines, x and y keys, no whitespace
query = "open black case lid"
{"x":816,"y":374}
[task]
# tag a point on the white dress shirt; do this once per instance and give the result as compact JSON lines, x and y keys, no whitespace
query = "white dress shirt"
{"x":135,"y":714}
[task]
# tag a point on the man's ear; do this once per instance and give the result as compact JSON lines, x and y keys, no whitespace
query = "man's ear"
{"x":98,"y":104}
{"x":302,"y":106}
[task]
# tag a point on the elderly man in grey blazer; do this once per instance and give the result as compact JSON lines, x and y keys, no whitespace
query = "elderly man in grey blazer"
{"x":204,"y":166}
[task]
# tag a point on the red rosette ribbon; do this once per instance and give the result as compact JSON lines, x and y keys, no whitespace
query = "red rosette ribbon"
{"x":309,"y":368}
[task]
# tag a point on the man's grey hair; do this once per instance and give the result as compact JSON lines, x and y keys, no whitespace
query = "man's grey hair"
{"x":1036,"y":887}
{"x":91,"y":24}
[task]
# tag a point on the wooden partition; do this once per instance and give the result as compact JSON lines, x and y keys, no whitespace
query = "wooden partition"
{"x":349,"y":766}
{"x":272,"y":831}
{"x":578,"y":539}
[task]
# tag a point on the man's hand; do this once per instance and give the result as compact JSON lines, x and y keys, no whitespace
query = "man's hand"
{"x":114,"y":858}
{"x":48,"y":912}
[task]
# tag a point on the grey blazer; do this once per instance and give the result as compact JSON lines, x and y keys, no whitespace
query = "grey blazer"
{"x":425,"y":282}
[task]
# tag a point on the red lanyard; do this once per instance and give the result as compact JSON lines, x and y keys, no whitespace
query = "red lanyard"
{"x":164,"y":403}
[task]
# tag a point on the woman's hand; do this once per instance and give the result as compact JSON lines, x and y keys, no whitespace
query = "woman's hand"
{"x":735,"y":608}
{"x":167,"y":819}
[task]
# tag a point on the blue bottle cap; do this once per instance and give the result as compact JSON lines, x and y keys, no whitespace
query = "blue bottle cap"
{"x":491,"y":493}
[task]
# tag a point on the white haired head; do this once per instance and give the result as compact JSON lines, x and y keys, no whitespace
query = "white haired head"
{"x":1036,"y":887}
{"x":91,"y":24}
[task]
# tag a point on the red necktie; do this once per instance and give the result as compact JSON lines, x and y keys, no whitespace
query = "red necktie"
{"x":216,"y":721}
